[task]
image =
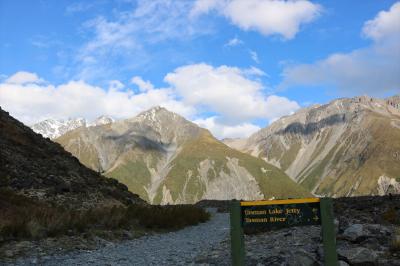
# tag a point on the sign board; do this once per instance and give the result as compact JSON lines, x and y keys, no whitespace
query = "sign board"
{"x":276,"y":214}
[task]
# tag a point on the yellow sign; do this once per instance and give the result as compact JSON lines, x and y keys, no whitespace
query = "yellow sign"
{"x":277,"y":202}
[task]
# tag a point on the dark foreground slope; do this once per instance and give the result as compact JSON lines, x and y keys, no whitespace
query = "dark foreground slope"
{"x":43,"y":170}
{"x":47,"y":196}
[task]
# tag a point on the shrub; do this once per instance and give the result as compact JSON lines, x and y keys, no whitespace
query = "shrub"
{"x":391,"y":216}
{"x":167,"y":217}
{"x":395,"y":245}
{"x":21,"y":217}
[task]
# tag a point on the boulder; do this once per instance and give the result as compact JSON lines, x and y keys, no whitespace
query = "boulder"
{"x":355,"y":233}
{"x":302,"y":257}
{"x":358,"y":256}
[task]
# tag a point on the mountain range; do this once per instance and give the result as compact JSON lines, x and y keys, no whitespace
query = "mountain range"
{"x":54,"y":128}
{"x":166,"y":159}
{"x":348,"y":147}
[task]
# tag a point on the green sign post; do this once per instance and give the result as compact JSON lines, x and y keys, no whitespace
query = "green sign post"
{"x":275,"y":214}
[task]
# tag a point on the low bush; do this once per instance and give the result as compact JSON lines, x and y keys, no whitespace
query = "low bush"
{"x":167,"y":217}
{"x":391,"y":215}
{"x":21,"y":217}
{"x":395,"y":245}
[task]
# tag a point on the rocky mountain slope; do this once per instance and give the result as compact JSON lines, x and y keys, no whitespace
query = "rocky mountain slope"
{"x":166,"y":159}
{"x":39,"y":168}
{"x":54,"y":128}
{"x":345,"y":148}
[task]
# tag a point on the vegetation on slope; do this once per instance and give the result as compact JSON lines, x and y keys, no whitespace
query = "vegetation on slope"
{"x":25,"y":218}
{"x":272,"y":182}
{"x":378,"y":157}
{"x":135,"y":175}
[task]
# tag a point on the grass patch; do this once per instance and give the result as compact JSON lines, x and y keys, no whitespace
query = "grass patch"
{"x":135,"y":175}
{"x":24,"y":218}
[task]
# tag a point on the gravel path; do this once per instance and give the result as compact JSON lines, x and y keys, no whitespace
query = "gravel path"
{"x":174,"y":248}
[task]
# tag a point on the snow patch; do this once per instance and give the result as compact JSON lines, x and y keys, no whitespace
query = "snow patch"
{"x":387,"y":185}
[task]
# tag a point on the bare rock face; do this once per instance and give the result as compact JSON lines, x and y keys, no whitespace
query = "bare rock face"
{"x":42,"y":169}
{"x":347,"y":147}
{"x":166,"y":159}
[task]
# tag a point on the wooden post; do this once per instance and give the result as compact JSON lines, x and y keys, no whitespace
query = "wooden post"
{"x":328,"y":232}
{"x":237,"y":237}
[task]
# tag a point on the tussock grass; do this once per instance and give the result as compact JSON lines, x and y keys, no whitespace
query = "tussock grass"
{"x":167,"y":217}
{"x":391,"y":216}
{"x":395,"y":245}
{"x":24,"y":218}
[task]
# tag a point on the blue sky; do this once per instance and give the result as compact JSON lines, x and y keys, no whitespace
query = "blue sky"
{"x":232,"y":66}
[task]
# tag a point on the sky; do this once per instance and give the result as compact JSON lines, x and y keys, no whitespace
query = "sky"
{"x":231,"y":66}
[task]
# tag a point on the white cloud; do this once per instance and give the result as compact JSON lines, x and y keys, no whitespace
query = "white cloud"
{"x":227,"y":91}
{"x":23,"y":77}
{"x":143,"y":85}
{"x":31,"y":102}
{"x":254,"y":56}
{"x":222,"y":131}
{"x":374,"y":69}
{"x":269,"y":17}
{"x":234,"y":42}
{"x":254,"y":71}
{"x":385,"y":25}
{"x":232,"y":95}
{"x":205,"y":6}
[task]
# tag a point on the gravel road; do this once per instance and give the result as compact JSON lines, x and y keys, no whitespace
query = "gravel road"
{"x":174,"y":248}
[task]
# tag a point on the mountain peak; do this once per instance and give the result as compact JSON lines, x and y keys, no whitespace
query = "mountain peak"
{"x":102,"y":120}
{"x":157,"y":114}
{"x":157,"y":109}
{"x":346,"y":134}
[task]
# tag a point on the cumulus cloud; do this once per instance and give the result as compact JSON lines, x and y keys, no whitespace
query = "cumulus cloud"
{"x":385,"y":25}
{"x":227,"y":91}
{"x":143,"y":85}
{"x":232,"y":95}
{"x":23,"y":77}
{"x":269,"y":17}
{"x":222,"y":131}
{"x":374,"y":69}
{"x":31,"y":102}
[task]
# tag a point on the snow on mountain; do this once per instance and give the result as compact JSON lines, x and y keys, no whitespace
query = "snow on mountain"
{"x":54,"y":128}
{"x":101,"y":120}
